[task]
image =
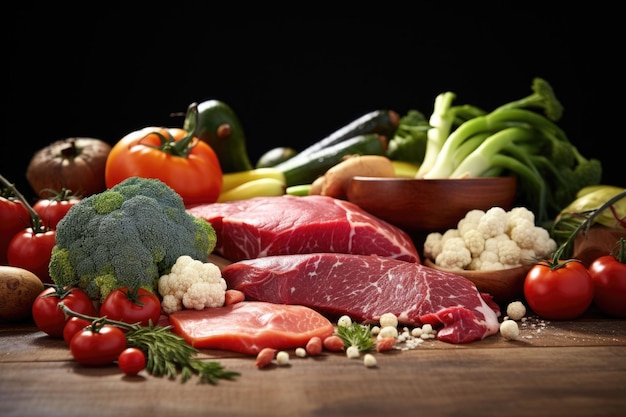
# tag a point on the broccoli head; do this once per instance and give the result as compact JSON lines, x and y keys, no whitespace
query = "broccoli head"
{"x":127,"y":236}
{"x":542,"y":97}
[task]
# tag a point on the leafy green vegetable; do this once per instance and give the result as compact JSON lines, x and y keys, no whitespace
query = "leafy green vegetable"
{"x":409,"y":142}
{"x":513,"y":139}
{"x":127,"y":236}
{"x":356,"y":334}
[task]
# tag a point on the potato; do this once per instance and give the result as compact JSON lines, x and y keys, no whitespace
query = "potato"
{"x":337,"y":178}
{"x":316,"y":186}
{"x":18,"y":290}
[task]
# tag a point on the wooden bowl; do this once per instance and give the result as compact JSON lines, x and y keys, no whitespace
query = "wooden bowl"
{"x":504,"y":285}
{"x":421,"y":205}
{"x":598,"y":241}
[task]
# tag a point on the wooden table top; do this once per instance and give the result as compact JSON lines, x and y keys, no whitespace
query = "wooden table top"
{"x":569,"y":368}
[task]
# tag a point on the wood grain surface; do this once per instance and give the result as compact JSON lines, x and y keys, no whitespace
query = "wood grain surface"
{"x":575,"y":368}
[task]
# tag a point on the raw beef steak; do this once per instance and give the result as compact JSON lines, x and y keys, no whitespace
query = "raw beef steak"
{"x":365,"y":287}
{"x":286,"y":225}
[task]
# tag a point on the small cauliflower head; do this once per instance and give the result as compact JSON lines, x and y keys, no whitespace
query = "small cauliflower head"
{"x":192,"y":284}
{"x":493,"y":223}
{"x":454,"y":254}
{"x":433,"y":245}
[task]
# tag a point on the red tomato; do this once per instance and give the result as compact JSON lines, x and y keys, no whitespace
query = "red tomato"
{"x":562,"y":293}
{"x":52,"y":210}
{"x":609,"y":279}
{"x":73,"y":326}
{"x":14,"y":218}
{"x":131,"y":306}
{"x":131,"y":361}
{"x":49,"y":318}
{"x":98,"y":346}
{"x":32,"y":251}
{"x":196,"y":176}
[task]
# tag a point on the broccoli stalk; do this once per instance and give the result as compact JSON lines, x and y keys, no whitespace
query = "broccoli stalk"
{"x":127,"y":236}
{"x":481,"y":158}
{"x":542,"y":97}
{"x":563,"y":185}
{"x":532,"y":187}
{"x":464,"y":112}
{"x":587,"y":171}
{"x":500,"y":150}
{"x":492,"y":122}
{"x":467,"y":147}
{"x":441,"y":121}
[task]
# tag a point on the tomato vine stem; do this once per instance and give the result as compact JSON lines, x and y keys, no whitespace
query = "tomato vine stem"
{"x":589,"y":216}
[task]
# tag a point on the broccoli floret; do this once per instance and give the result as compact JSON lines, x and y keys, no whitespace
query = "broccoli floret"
{"x":409,"y":141}
{"x":586,"y":171}
{"x":127,"y":236}
{"x":542,"y":97}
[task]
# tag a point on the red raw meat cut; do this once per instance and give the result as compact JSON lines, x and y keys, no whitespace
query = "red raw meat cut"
{"x":365,"y":287}
{"x":249,"y":326}
{"x":286,"y":225}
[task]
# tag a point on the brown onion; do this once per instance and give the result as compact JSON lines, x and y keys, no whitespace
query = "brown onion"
{"x":76,"y":164}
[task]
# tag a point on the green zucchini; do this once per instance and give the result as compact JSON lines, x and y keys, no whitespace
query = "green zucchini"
{"x":305,"y":168}
{"x":275,"y":156}
{"x":215,"y":123}
{"x":383,"y":122}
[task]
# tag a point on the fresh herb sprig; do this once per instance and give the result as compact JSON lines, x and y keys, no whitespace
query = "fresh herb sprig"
{"x":356,"y":334}
{"x":167,"y":353}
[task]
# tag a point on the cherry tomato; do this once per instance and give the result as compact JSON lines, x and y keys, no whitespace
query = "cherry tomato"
{"x":14,"y":218}
{"x":124,"y":304}
{"x":131,"y":361}
{"x":52,"y":210}
{"x":98,"y":345}
{"x":49,"y":318}
{"x":32,"y":251}
{"x":562,"y":293}
{"x":196,"y":176}
{"x":73,"y":326}
{"x":609,"y":279}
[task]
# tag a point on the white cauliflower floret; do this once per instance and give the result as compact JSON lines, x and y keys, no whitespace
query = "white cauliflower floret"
{"x":433,"y":245}
{"x":474,"y":241}
{"x":527,"y":256}
{"x":454,"y":254}
{"x":449,"y":234}
{"x":491,"y":244}
{"x":171,"y":303}
{"x":192,"y":284}
{"x":204,"y":294}
{"x":524,"y":233}
{"x":475,"y":264}
{"x":509,"y":253}
{"x":470,"y":221}
{"x":493,"y":223}
{"x":489,"y":256}
{"x":519,"y":214}
{"x":491,"y":266}
{"x":544,"y":245}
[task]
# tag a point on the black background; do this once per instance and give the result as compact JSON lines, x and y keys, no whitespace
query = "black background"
{"x":293,"y":78}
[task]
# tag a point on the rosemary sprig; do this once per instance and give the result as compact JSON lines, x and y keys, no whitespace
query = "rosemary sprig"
{"x":356,"y":334}
{"x":167,"y":353}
